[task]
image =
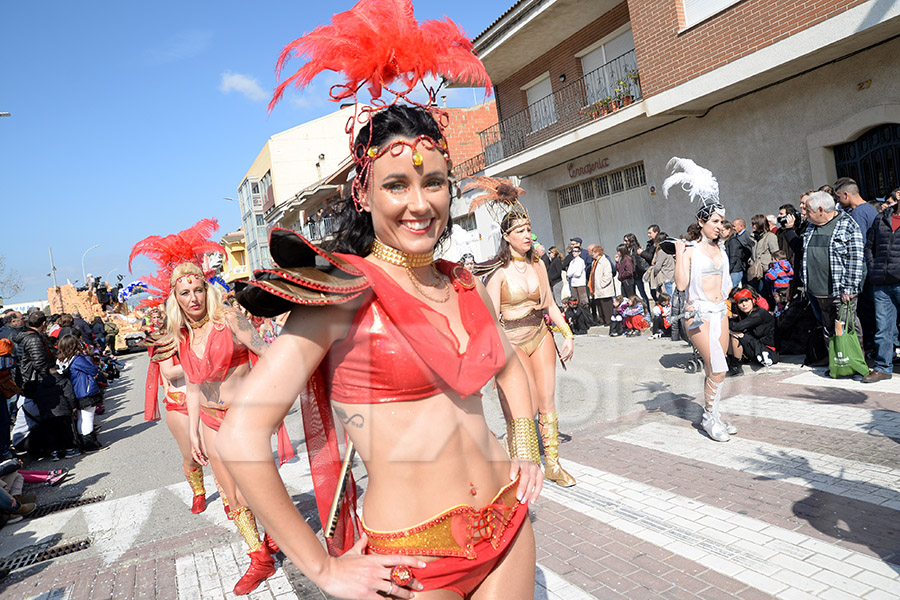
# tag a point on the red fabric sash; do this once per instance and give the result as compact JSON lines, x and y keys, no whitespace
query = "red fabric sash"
{"x":466,"y":373}
{"x":151,"y":389}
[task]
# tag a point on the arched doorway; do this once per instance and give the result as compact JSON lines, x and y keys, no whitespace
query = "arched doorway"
{"x":873,"y":160}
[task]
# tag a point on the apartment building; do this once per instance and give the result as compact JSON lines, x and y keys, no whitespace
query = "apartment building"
{"x":234,"y":265}
{"x":288,"y":162}
{"x":774,"y":96}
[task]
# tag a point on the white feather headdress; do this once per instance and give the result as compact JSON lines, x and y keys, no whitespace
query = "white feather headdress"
{"x":698,"y":182}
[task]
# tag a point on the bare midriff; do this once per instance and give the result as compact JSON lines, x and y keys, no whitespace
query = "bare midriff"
{"x":219,"y":394}
{"x":423,"y":457}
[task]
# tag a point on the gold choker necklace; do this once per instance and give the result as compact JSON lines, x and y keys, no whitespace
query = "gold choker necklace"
{"x":410,"y":261}
{"x":519,"y":258}
{"x":200,"y":323}
{"x":401,"y":259}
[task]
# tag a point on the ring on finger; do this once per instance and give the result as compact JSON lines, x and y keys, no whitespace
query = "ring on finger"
{"x":391,"y":590}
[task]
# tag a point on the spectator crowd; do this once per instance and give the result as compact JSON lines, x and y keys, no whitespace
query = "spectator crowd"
{"x":799,"y":278}
{"x":53,"y":374}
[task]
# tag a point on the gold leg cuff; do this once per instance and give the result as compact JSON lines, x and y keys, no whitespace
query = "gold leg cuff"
{"x":246,"y":525}
{"x":195,"y":479}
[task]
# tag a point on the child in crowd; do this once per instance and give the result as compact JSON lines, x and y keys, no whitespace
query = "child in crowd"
{"x":661,"y":312}
{"x":781,"y":302}
{"x":634,"y":317}
{"x":780,"y":272}
{"x":577,"y":317}
{"x":617,"y":326}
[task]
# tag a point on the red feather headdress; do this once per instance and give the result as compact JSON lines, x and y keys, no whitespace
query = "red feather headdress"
{"x":379,"y":44}
{"x":189,"y":245}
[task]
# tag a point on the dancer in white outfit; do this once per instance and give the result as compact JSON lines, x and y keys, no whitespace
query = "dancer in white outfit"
{"x":701,"y":270}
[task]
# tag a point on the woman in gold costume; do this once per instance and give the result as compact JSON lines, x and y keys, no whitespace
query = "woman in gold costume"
{"x":520,"y":290}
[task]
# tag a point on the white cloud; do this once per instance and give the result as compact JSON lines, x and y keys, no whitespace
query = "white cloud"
{"x":181,"y":46}
{"x":243,"y":84}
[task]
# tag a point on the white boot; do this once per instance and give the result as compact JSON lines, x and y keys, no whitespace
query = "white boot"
{"x":712,"y":421}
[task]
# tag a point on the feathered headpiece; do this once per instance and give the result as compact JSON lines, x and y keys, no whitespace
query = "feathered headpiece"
{"x":698,"y":182}
{"x":378,"y":44}
{"x":501,"y":198}
{"x":188,"y":245}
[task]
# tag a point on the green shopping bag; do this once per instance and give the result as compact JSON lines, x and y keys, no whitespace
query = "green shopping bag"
{"x":845,"y":356}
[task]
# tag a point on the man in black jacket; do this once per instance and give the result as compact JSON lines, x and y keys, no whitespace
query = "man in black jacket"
{"x":883,"y":264}
{"x":87,"y":336}
{"x":36,"y":356}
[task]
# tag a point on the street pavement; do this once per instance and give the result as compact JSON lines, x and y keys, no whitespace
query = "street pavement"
{"x":802,"y":503}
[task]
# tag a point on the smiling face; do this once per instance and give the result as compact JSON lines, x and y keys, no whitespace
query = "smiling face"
{"x":409,"y":204}
{"x":519,"y":237}
{"x":190,"y":294}
{"x":712,"y":229}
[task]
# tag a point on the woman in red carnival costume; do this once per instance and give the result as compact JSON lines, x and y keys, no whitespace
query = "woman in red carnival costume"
{"x":398,"y":345}
{"x":165,"y":369}
{"x":520,"y":291}
{"x":187,"y":245}
{"x":214,"y":346}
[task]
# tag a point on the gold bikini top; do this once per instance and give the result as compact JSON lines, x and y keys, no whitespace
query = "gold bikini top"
{"x":514,"y":297}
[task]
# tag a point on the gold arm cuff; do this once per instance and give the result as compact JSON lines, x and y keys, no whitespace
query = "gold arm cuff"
{"x":522,"y":440}
{"x":566,"y":331}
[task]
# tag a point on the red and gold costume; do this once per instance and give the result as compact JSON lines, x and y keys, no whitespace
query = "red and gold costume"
{"x":160,"y":349}
{"x":397,"y":349}
{"x":220,"y":355}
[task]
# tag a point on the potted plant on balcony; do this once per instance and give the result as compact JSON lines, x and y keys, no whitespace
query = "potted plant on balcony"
{"x":594,"y":110}
{"x":623,"y":91}
{"x":632,"y":74}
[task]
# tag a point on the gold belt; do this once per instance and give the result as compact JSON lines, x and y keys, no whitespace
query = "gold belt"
{"x":531,"y":319}
{"x":435,"y":537}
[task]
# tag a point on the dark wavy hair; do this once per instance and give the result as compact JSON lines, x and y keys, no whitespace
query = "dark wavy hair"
{"x":355,"y":233}
{"x":503,"y":253}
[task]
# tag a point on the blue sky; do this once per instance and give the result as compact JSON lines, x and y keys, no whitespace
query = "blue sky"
{"x":135,"y":119}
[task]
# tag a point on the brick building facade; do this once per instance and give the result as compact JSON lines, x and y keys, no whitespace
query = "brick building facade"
{"x":775,"y":97}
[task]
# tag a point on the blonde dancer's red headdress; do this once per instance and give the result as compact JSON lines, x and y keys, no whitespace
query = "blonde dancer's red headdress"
{"x":188,"y":245}
{"x":379,"y":44}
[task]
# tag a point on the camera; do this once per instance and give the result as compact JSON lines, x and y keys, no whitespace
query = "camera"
{"x":782,"y":221}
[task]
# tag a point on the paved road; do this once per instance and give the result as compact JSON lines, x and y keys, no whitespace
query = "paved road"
{"x":801,"y":504}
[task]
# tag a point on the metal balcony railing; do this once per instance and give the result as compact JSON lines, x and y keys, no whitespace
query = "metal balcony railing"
{"x":316,"y":231}
{"x":469,"y":167}
{"x":597,"y":94}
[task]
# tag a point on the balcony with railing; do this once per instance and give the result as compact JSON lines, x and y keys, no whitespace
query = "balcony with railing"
{"x":598,"y":94}
{"x":317,"y":231}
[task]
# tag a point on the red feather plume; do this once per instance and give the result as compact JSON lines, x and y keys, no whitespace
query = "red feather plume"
{"x":188,"y":245}
{"x":377,"y":43}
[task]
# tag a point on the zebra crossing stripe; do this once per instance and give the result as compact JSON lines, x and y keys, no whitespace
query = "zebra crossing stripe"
{"x":550,"y":586}
{"x":833,"y":416}
{"x":819,"y":378}
{"x":777,"y":561}
{"x":875,"y":484}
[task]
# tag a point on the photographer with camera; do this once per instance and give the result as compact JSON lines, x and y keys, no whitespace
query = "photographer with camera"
{"x":790,"y":231}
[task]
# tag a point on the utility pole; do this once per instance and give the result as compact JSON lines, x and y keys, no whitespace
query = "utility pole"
{"x":55,"y":285}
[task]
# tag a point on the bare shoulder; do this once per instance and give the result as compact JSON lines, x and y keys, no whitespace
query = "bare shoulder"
{"x":323,"y":324}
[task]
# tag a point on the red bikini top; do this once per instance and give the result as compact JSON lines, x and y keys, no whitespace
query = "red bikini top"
{"x":219,"y":356}
{"x":398,"y":348}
